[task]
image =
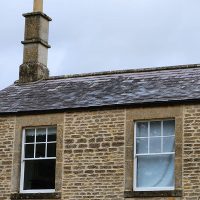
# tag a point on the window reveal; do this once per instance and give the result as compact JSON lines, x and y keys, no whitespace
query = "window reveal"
{"x":154,"y":155}
{"x":38,"y":160}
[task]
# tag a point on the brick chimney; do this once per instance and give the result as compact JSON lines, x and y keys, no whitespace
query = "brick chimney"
{"x":36,"y":45}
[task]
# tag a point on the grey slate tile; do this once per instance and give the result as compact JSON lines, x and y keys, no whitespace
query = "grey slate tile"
{"x":131,"y":87}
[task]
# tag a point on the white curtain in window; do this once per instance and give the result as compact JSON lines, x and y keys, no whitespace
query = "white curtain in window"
{"x":155,"y":171}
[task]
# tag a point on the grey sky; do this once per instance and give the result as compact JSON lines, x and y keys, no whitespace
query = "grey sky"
{"x":99,"y":35}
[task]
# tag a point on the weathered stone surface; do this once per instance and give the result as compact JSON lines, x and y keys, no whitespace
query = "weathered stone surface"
{"x":36,"y":26}
{"x":156,"y":113}
{"x":95,"y":153}
{"x":37,"y":121}
{"x":134,"y":87}
{"x":7,"y":130}
{"x":191,"y":152}
{"x":30,"y":72}
{"x":93,"y":170}
{"x":152,"y":194}
{"x":36,"y":46}
{"x":37,"y":196}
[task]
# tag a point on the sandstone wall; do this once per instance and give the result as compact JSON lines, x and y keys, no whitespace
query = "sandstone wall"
{"x":7,"y":130}
{"x":95,"y":152}
{"x":94,"y":155}
{"x":191,"y":153}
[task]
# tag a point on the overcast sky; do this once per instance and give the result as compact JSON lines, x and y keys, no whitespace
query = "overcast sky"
{"x":99,"y":35}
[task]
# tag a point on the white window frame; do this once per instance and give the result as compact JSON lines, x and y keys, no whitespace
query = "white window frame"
{"x":135,"y":188}
{"x":23,"y":159}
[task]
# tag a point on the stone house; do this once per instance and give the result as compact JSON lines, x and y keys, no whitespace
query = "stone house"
{"x":118,"y":135}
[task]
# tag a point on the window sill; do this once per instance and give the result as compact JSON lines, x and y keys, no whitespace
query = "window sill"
{"x":138,"y":194}
{"x":36,"y":196}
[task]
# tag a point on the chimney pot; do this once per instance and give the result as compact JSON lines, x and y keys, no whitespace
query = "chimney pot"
{"x":38,"y":6}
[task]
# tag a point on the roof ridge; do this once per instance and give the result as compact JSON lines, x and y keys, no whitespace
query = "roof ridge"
{"x":126,"y":71}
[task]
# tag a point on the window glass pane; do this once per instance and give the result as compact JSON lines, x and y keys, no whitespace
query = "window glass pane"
{"x":41,"y":135}
{"x":40,"y":150}
{"x":142,"y":129}
{"x":142,"y":145}
{"x":155,"y":145}
{"x":39,"y":174}
{"x":168,"y":144}
{"x":155,"y":128}
{"x":29,"y":151}
{"x":51,"y":150}
{"x":51,"y":134}
{"x":29,"y":135}
{"x":51,"y":130}
{"x":168,"y":127}
{"x":155,"y":171}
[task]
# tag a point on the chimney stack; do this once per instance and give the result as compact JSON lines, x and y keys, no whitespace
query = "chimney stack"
{"x":36,"y":45}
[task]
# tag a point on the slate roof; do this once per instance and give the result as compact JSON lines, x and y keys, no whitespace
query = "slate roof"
{"x":130,"y":87}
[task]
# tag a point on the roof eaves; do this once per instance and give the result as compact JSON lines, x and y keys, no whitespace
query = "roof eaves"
{"x":109,"y":106}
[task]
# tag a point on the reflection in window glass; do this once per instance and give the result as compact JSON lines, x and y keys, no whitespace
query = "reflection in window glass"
{"x":155,"y":128}
{"x":51,"y":130}
{"x":29,"y":151}
{"x":155,"y":171}
{"x":40,"y":150}
{"x":155,"y":155}
{"x":30,"y":135}
{"x":51,"y":134}
{"x":168,"y":127}
{"x":39,"y":158}
{"x":41,"y":135}
{"x":168,"y":144}
{"x":155,"y":145}
{"x":51,"y":150}
{"x":142,"y":145}
{"x":39,"y":174}
{"x":142,"y":129}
